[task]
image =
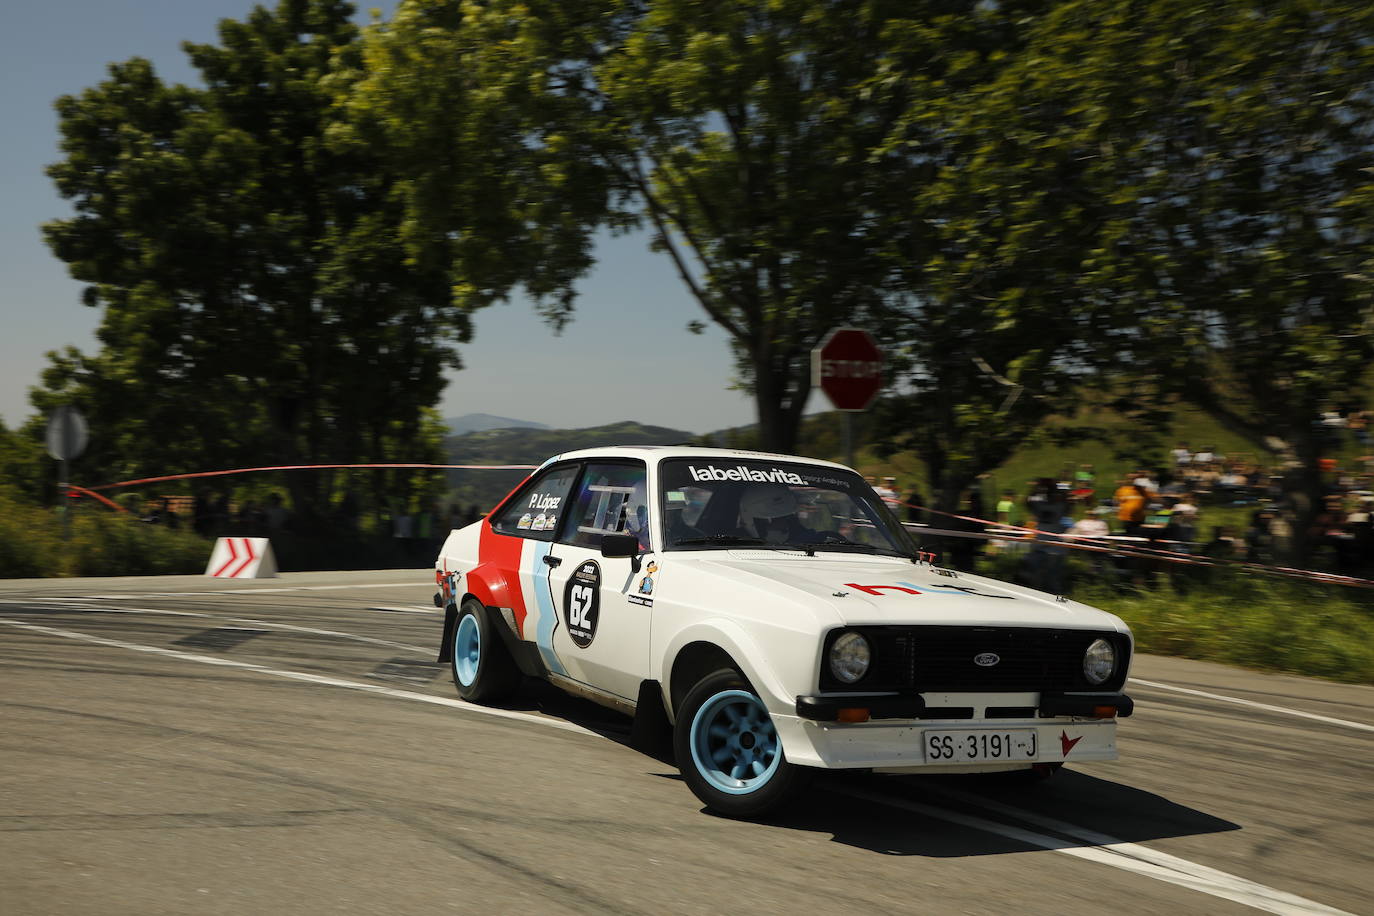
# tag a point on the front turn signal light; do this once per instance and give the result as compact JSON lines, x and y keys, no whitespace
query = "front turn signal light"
{"x":852,"y":715}
{"x":1104,"y":712}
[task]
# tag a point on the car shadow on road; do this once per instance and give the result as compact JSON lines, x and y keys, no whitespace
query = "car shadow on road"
{"x":957,"y":816}
{"x":924,"y":815}
{"x":542,"y":697}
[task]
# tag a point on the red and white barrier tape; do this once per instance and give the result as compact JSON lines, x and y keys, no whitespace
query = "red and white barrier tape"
{"x":74,"y":490}
{"x":313,"y":467}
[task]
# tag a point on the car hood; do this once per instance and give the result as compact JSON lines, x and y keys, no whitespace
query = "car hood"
{"x":888,"y":590}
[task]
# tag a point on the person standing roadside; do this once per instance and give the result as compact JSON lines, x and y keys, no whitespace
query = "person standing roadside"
{"x":276,"y":513}
{"x":1131,"y":503}
{"x":1046,"y":559}
{"x":887,"y":491}
{"x":1084,"y":484}
{"x":1358,"y":424}
{"x":913,"y":500}
{"x":1006,"y":508}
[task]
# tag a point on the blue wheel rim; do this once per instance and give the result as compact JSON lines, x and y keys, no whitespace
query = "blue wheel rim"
{"x":467,"y":650}
{"x":734,"y":745}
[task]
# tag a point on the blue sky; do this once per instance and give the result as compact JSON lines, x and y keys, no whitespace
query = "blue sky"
{"x":627,"y":350}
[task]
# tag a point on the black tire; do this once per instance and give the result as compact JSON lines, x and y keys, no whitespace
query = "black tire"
{"x":728,"y":750}
{"x":483,"y":670}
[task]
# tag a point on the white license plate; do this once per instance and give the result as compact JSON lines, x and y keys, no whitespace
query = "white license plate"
{"x":981,"y":746}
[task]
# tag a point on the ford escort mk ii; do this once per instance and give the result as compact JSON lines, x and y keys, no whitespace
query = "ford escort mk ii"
{"x":772,"y":613}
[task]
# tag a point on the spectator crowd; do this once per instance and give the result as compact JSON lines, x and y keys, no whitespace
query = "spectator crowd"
{"x":1200,"y":502}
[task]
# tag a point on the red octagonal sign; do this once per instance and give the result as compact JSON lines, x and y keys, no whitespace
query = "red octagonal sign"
{"x":848,"y":367}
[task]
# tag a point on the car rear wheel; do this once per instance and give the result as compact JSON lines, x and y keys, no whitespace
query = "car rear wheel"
{"x":483,"y":670}
{"x":728,"y":750}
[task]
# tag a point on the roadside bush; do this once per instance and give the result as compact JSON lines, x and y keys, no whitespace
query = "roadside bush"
{"x":102,"y":543}
{"x":23,"y":540}
{"x":105,"y":543}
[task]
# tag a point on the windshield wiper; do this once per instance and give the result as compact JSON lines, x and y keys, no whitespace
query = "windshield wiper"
{"x":721,"y":539}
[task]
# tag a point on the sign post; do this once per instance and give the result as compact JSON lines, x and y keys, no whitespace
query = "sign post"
{"x":66,"y":439}
{"x":848,"y":367}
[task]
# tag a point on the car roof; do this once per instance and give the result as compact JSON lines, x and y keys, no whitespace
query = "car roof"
{"x":652,"y":454}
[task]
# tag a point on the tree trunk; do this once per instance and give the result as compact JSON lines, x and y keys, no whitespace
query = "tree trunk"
{"x":777,"y":424}
{"x":1307,"y":493}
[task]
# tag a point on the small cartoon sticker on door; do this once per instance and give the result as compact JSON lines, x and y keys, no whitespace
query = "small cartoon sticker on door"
{"x":646,"y":585}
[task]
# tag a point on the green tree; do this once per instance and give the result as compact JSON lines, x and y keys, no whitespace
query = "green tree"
{"x":751,"y":139}
{"x":24,"y":468}
{"x":1221,"y":156}
{"x":1162,"y":199}
{"x":259,"y":305}
{"x":982,"y":247}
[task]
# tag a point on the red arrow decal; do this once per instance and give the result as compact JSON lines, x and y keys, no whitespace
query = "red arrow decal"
{"x":247,"y":546}
{"x":233,"y":556}
{"x":1067,"y":743}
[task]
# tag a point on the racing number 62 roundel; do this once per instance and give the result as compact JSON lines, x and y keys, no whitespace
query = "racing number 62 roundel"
{"x":581,"y":602}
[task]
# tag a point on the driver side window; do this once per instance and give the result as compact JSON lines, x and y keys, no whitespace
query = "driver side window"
{"x":612,"y":499}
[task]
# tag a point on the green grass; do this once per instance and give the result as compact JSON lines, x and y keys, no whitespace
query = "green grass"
{"x":1119,"y":452}
{"x":1234,"y":617}
{"x":1255,"y":622}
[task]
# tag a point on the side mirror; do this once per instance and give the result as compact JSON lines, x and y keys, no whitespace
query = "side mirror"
{"x":621,"y":545}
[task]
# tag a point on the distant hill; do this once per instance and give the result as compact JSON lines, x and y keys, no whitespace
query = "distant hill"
{"x":476,"y":422}
{"x":531,"y":445}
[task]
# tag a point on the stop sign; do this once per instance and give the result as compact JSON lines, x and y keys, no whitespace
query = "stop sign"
{"x":848,"y":367}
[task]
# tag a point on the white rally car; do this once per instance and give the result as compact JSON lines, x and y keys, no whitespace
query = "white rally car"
{"x":776,"y":615}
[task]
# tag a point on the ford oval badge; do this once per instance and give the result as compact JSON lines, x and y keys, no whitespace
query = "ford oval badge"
{"x":986,"y":659}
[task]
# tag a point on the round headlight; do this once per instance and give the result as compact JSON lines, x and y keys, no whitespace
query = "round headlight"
{"x":1099,"y":661}
{"x":850,"y":657}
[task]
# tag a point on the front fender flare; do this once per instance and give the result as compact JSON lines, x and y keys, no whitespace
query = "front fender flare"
{"x":736,"y":642}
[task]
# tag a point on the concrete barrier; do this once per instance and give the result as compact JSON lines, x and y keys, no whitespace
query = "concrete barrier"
{"x":242,"y":558}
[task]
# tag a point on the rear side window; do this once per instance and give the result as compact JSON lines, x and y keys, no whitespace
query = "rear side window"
{"x":537,"y":508}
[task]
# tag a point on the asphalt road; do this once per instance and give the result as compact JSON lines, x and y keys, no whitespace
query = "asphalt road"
{"x":185,"y":745}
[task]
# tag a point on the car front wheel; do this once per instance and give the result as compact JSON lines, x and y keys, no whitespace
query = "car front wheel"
{"x":728,"y":750}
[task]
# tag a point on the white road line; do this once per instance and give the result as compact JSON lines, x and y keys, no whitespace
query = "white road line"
{"x":1133,"y":850}
{"x":271,"y":624}
{"x":1105,"y":850}
{"x":319,"y":679}
{"x":1253,"y":705}
{"x":408,"y":610}
{"x":1180,"y":872}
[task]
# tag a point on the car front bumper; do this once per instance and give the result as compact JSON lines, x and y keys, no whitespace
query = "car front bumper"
{"x":829,"y":707}
{"x":898,"y":743}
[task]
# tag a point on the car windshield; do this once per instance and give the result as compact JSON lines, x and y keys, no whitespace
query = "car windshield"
{"x":714,"y":503}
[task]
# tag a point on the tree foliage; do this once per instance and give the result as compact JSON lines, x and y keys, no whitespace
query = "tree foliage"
{"x":747,"y":137}
{"x":1216,"y":203}
{"x":982,"y":248}
{"x":259,"y":306}
{"x":1029,"y":202}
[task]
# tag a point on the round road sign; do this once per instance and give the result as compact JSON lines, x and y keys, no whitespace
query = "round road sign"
{"x":66,"y":433}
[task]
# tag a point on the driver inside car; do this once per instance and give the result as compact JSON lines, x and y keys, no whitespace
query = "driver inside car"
{"x":637,"y":514}
{"x":768,"y":511}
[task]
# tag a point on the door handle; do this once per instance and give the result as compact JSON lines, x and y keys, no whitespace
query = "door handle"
{"x":552,"y":561}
